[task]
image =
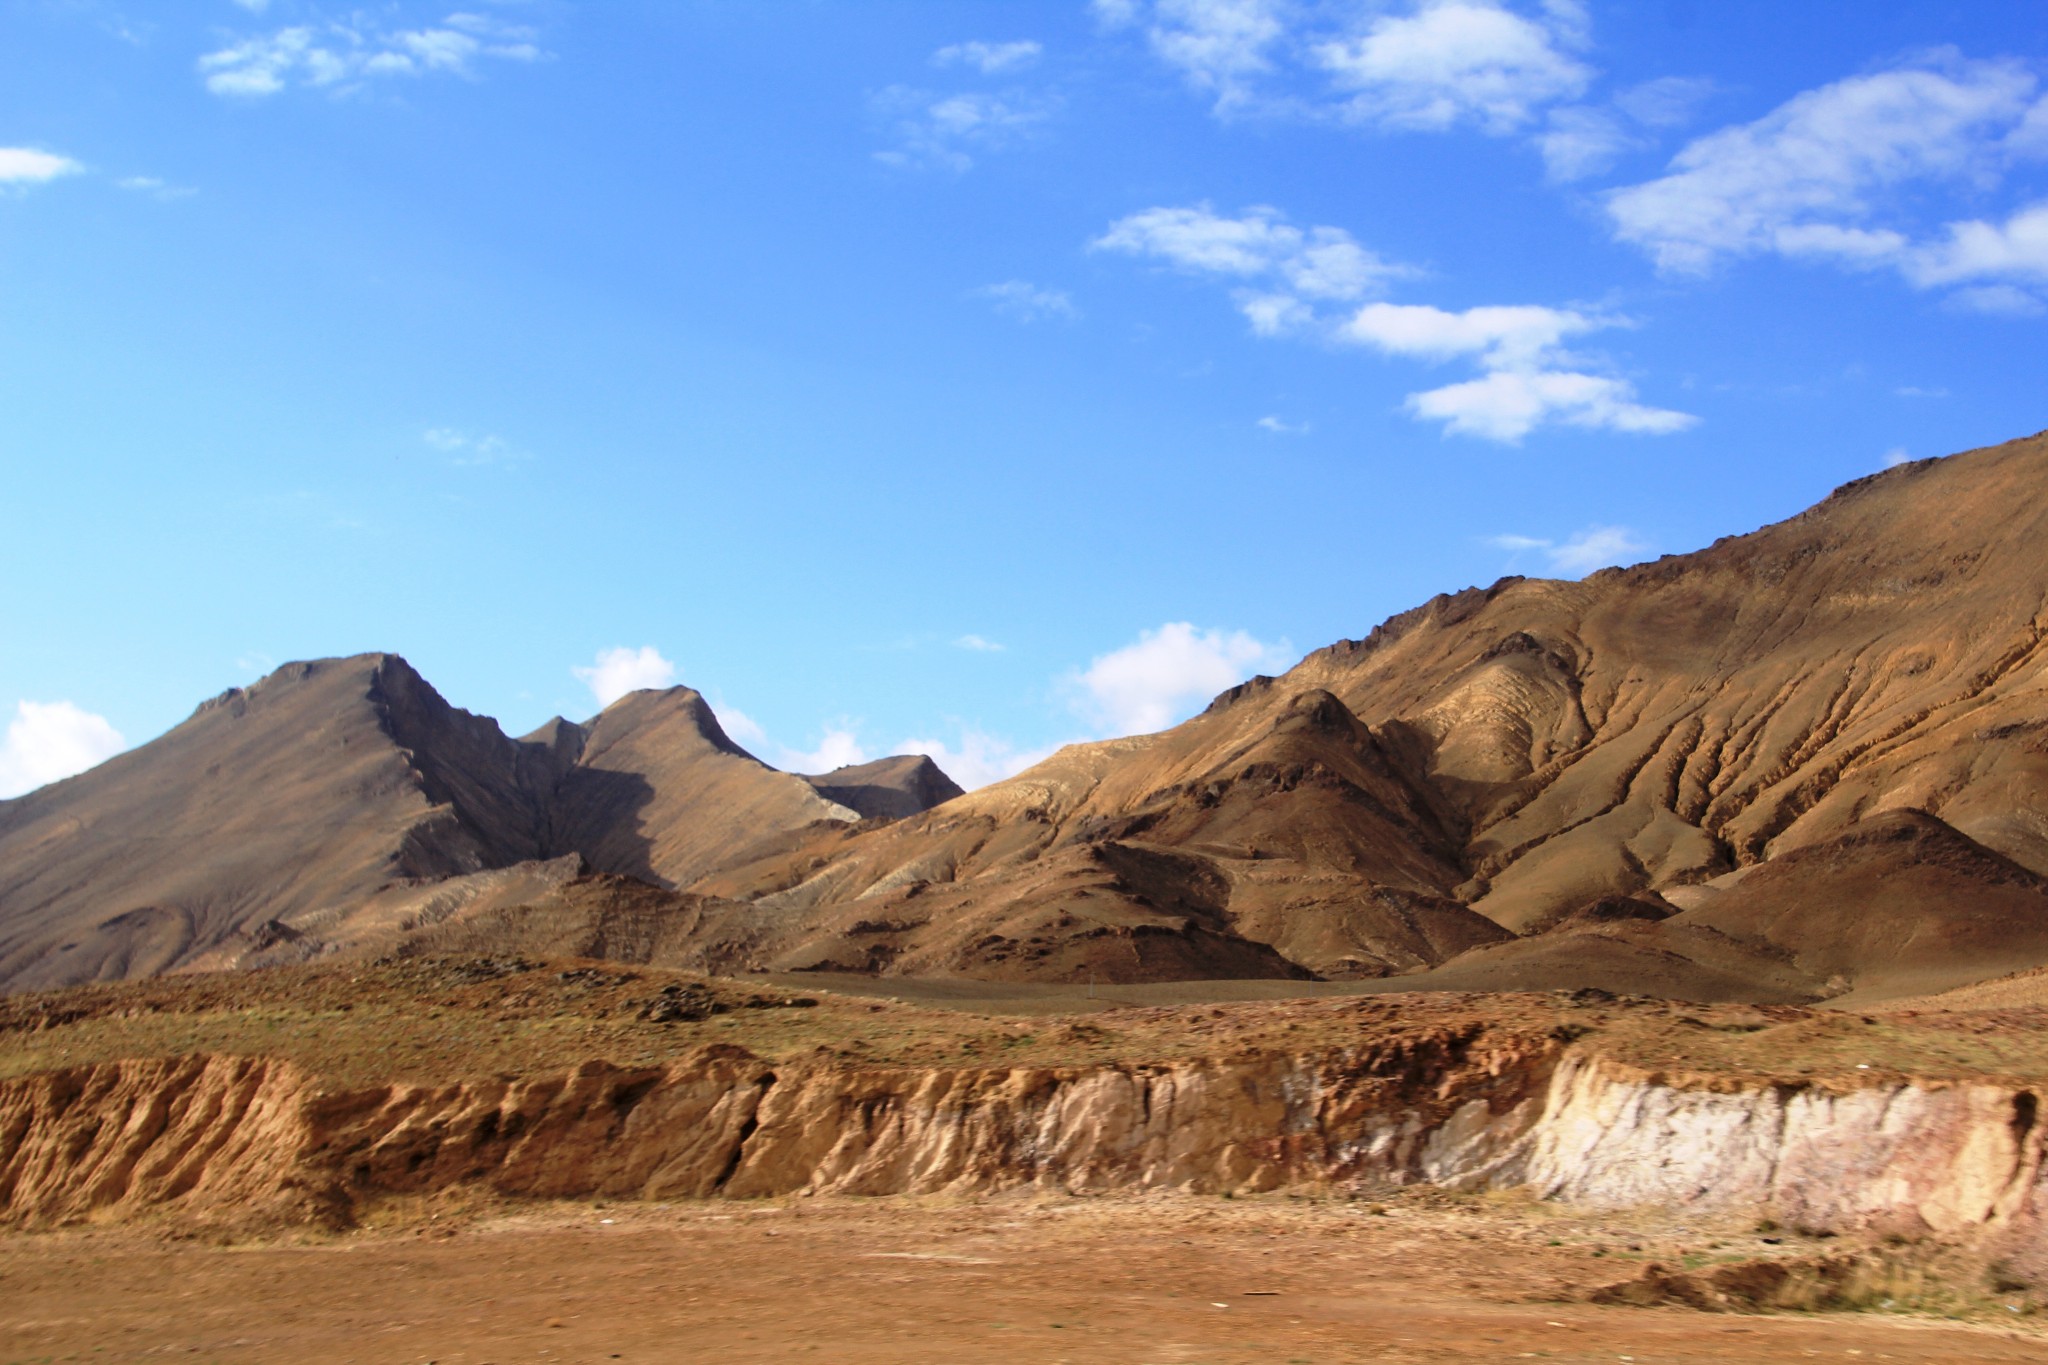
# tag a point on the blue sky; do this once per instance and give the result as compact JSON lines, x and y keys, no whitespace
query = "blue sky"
{"x":970,"y":377}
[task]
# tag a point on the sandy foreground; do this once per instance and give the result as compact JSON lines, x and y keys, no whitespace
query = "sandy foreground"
{"x":1166,"y":1279}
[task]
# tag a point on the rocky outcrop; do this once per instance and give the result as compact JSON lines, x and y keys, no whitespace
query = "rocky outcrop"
{"x":241,"y":1137}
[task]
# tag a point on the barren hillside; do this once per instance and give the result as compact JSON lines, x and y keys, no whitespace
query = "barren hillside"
{"x":341,"y":802}
{"x":1497,"y":759}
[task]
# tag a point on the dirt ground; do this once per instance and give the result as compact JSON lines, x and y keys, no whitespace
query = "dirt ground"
{"x":1167,"y":1279}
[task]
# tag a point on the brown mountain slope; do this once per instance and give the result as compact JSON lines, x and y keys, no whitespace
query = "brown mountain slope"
{"x":1276,"y":821}
{"x":1899,"y":905}
{"x":339,"y":803}
{"x":653,"y":788}
{"x":888,"y":788}
{"x":1659,"y":725}
{"x":311,"y":788}
{"x":1527,"y":748}
{"x":605,"y":916}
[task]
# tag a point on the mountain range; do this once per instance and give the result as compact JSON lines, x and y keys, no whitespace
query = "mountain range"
{"x":1806,"y":762}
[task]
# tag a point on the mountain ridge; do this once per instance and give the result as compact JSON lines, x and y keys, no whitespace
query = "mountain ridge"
{"x":1647,"y":728}
{"x":1509,"y":785}
{"x":300,"y":798}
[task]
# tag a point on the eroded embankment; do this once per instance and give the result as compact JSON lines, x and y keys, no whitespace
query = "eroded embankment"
{"x":223,"y":1136}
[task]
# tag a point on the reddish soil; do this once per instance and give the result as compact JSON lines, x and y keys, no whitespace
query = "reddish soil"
{"x":1160,"y":1280}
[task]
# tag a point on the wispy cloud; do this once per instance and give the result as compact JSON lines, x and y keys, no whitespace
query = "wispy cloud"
{"x":345,"y":55}
{"x":1222,"y":47}
{"x":1405,"y":66}
{"x":47,"y":741}
{"x":1259,"y":247}
{"x":1279,"y":427}
{"x":623,"y":669}
{"x":33,"y":166}
{"x":1840,"y":174}
{"x":989,"y":58}
{"x":1027,"y":302}
{"x":978,"y":644}
{"x":1997,"y":300}
{"x":462,"y":448}
{"x":1320,"y":282}
{"x":154,"y":188}
{"x":947,"y":131}
{"x":1596,"y":547}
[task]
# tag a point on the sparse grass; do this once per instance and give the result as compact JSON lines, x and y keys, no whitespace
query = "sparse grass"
{"x":447,"y":1019}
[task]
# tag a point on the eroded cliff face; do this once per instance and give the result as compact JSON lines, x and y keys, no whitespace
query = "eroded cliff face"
{"x":244,"y":1139}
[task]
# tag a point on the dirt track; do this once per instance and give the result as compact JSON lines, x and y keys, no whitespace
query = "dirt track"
{"x":1165,"y":1280}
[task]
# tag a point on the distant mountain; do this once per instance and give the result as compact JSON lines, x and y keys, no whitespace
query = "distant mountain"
{"x":1807,"y":762}
{"x":1500,"y":759}
{"x":653,"y":788}
{"x":888,"y":788}
{"x":269,"y":821}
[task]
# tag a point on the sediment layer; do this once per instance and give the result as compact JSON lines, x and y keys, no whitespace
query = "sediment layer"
{"x":231,"y":1138}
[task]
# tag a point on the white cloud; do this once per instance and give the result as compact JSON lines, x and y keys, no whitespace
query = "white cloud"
{"x":1508,"y":404}
{"x":342,"y":56}
{"x":1895,"y":457}
{"x":1219,"y":45}
{"x":1027,"y":302}
{"x":944,"y":131}
{"x":989,"y":58}
{"x":1500,"y":336}
{"x":622,"y":670}
{"x":51,"y":740}
{"x":1916,"y":391}
{"x":1312,"y":263}
{"x":1527,"y":383}
{"x":978,"y":644}
{"x":739,"y":726}
{"x":1285,"y":273}
{"x":1273,"y":423}
{"x":461,"y":448}
{"x":29,"y":166}
{"x":1167,"y":674}
{"x":978,"y":758}
{"x":1978,"y":250}
{"x":254,"y":6}
{"x":840,"y":748}
{"x":1422,"y":65}
{"x":1459,"y":61}
{"x":1810,"y":177}
{"x":1596,"y":547}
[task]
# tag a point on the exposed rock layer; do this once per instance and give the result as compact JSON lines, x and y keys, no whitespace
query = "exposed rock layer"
{"x":232,"y":1136}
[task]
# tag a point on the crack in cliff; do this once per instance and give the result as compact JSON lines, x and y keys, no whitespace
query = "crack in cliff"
{"x":749,"y":1126}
